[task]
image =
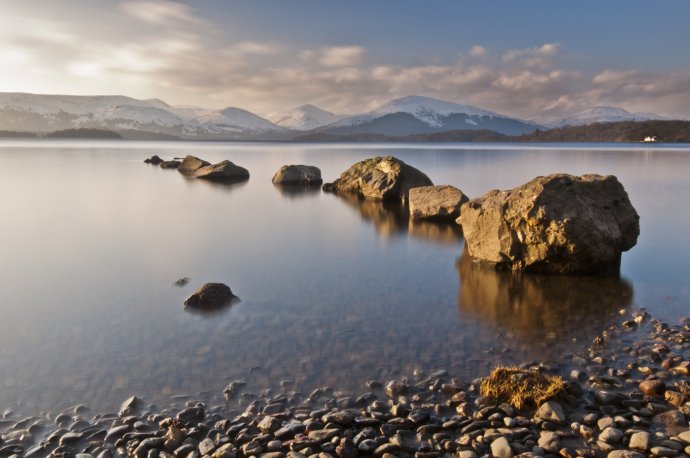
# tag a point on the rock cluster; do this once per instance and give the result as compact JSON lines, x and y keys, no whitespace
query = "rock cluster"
{"x":554,"y":224}
{"x":190,"y":164}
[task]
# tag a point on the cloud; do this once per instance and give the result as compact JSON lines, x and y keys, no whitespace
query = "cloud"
{"x":477,"y":51}
{"x":540,"y":56}
{"x":340,"y":56}
{"x":160,"y":12}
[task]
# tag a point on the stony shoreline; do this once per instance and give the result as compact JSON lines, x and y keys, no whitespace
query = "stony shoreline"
{"x":626,"y":396}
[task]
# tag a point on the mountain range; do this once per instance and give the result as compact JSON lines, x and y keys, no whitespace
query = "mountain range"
{"x":133,"y":118}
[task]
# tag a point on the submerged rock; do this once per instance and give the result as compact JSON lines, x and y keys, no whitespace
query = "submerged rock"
{"x":170,"y":164}
{"x":554,"y":224}
{"x":222,"y":171}
{"x":382,"y":178}
{"x":305,"y":175}
{"x":155,"y":160}
{"x":210,"y":295}
{"x":191,"y":164}
{"x":436,"y":202}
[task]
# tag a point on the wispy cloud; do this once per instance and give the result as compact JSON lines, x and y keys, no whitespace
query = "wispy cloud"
{"x":160,"y":12}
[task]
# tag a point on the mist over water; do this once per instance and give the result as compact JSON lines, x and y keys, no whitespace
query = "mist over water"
{"x":333,"y":290}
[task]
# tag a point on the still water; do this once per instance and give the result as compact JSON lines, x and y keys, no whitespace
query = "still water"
{"x":333,"y":291}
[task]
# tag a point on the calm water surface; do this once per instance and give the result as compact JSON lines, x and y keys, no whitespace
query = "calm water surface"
{"x":333,"y":291}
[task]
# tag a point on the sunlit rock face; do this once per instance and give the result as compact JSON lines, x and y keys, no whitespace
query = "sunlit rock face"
{"x":554,"y":224}
{"x":379,"y":178}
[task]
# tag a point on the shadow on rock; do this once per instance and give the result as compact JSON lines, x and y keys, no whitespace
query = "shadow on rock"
{"x":391,"y":219}
{"x":296,"y":191}
{"x":533,"y":306}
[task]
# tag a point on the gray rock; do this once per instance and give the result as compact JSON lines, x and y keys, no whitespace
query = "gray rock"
{"x":191,"y":164}
{"x":206,"y":446}
{"x":684,"y":436}
{"x":553,"y":224}
{"x":436,"y":202}
{"x":323,"y":435}
{"x":663,"y":451}
{"x":131,"y":406}
{"x":500,"y":448}
{"x":611,"y":435}
{"x":549,"y":441}
{"x":304,"y":175}
{"x":380,"y":178}
{"x":222,"y":171}
{"x":624,"y":454}
{"x":640,"y":440}
{"x":466,"y":454}
{"x":210,"y":295}
{"x":155,"y":160}
{"x":551,"y":411}
{"x":269,"y":424}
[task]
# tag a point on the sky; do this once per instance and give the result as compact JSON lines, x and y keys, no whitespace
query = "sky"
{"x":524,"y":59}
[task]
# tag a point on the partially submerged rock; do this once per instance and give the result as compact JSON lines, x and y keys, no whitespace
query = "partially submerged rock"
{"x":191,"y":164}
{"x":436,"y":202}
{"x":210,"y":295}
{"x":170,"y":164}
{"x":155,"y":160}
{"x":554,"y":224}
{"x":222,"y":171}
{"x":381,"y":178}
{"x":304,"y":175}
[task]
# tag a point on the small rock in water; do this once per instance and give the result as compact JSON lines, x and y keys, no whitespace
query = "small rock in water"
{"x":181,"y":281}
{"x":210,"y":295}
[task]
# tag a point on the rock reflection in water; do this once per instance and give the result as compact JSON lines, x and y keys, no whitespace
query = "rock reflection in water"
{"x":297,"y":190}
{"x":391,"y":218}
{"x":212,"y":311}
{"x":535,"y":308}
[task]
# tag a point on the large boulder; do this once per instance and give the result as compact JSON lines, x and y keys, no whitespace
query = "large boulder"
{"x":210,"y":295}
{"x":436,"y":202}
{"x":381,"y":178}
{"x":554,"y":224}
{"x":302,"y":175}
{"x":222,"y":171}
{"x":191,"y":164}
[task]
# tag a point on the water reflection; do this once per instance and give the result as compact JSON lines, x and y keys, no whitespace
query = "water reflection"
{"x":296,"y":191}
{"x":391,"y":219}
{"x":540,"y":306}
{"x":212,"y":311}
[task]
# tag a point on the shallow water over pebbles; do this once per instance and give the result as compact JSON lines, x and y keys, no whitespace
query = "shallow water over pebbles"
{"x":333,"y":291}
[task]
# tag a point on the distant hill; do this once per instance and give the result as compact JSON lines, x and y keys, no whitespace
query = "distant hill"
{"x":596,"y":115}
{"x":626,"y":131}
{"x":449,"y":136}
{"x":304,"y":117}
{"x":15,"y":134}
{"x":415,"y":115}
{"x":43,"y":113}
{"x":84,"y":133}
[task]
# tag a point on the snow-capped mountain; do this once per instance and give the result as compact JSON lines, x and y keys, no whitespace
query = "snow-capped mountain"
{"x":304,"y":117}
{"x":46,"y":113}
{"x":596,"y":115}
{"x":420,"y":115}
